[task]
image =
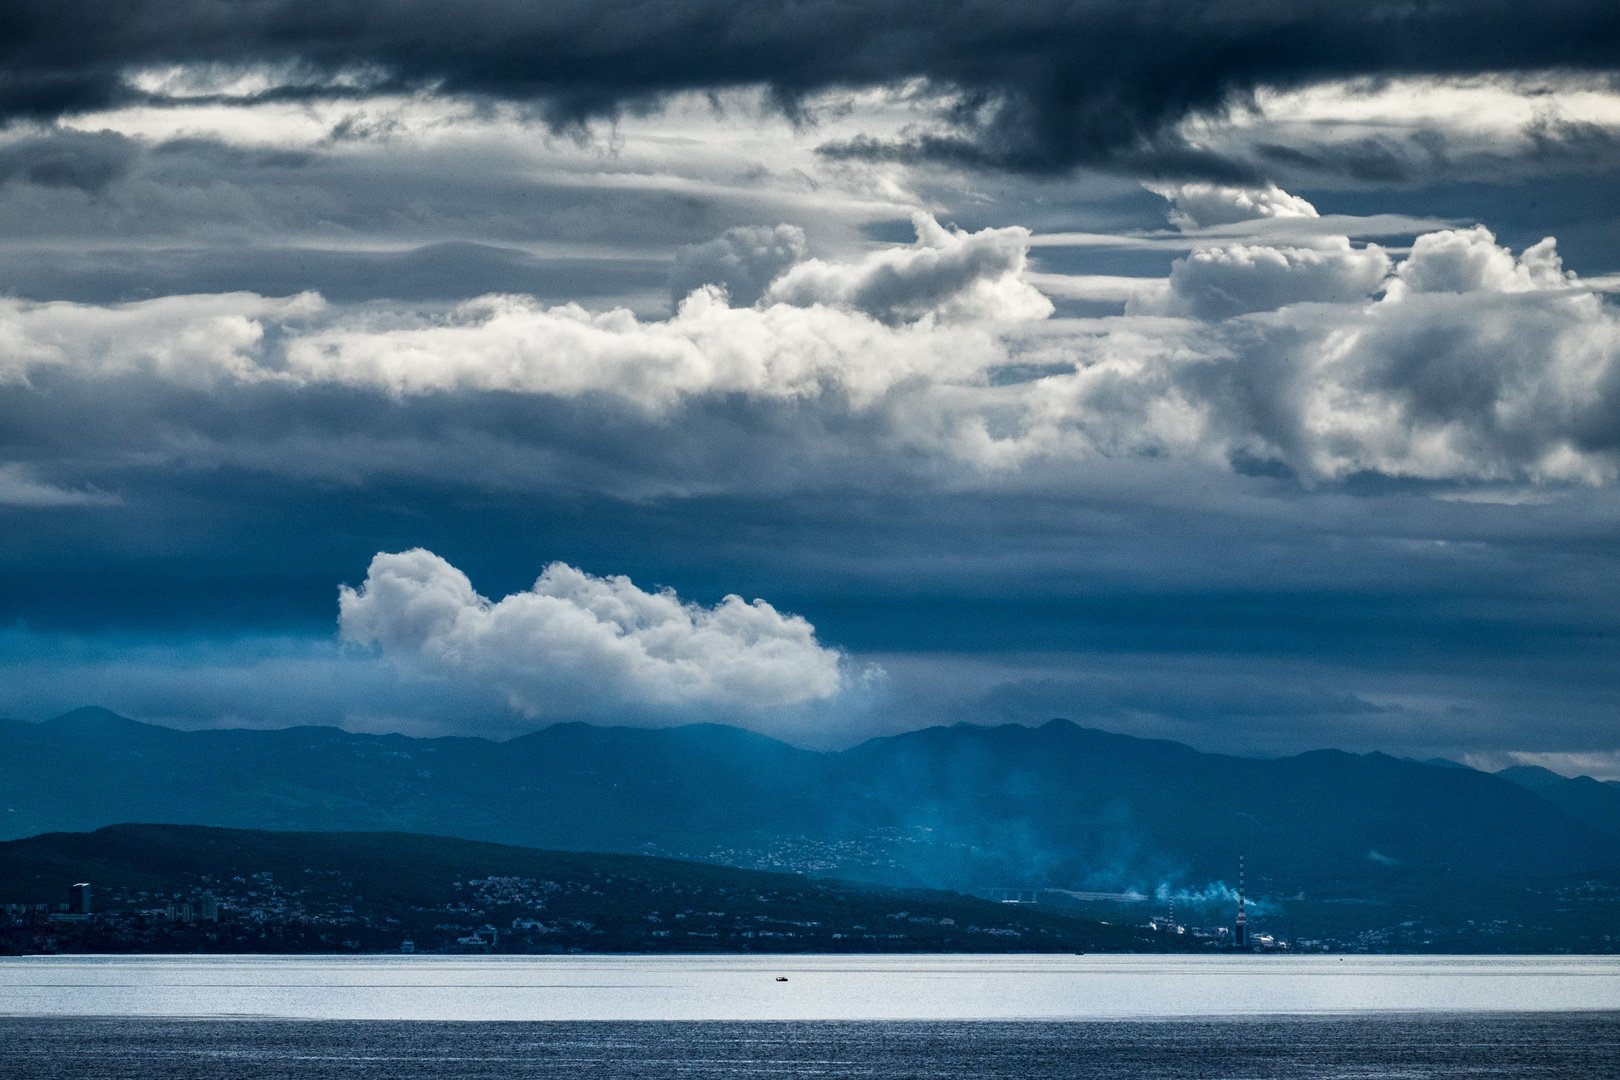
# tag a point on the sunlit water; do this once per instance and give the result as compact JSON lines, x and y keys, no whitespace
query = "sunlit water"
{"x":817,"y":988}
{"x":880,"y":1018}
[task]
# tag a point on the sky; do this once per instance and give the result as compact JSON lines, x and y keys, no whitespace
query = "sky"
{"x":1240,"y":373}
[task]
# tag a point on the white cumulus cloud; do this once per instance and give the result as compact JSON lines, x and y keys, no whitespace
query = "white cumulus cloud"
{"x":577,"y":643}
{"x":516,"y":344}
{"x":743,"y":261}
{"x":1469,"y":261}
{"x":195,"y":340}
{"x":1199,"y":205}
{"x":951,"y":275}
{"x":1483,"y":365}
{"x":1219,"y":282}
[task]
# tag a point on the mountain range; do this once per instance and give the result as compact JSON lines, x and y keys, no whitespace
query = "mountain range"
{"x":1596,"y":802}
{"x":1352,"y":843}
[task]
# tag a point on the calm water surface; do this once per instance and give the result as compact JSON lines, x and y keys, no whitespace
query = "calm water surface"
{"x":818,"y":988}
{"x":885,"y":1018}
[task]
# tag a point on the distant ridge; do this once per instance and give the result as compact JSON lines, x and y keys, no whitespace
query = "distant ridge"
{"x":1596,"y":802}
{"x":963,"y":807}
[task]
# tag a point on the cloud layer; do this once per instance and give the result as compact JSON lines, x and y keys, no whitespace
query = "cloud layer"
{"x":1037,"y":84}
{"x":1334,"y":491}
{"x":576,"y":644}
{"x":1461,"y":362}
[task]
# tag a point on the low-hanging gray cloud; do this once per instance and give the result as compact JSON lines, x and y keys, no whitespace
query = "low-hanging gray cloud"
{"x":88,"y":161}
{"x":19,"y":487}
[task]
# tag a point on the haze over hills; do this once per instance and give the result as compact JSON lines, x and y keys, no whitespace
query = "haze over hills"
{"x":1057,"y":807}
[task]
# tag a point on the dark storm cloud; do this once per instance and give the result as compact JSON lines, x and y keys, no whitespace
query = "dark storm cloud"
{"x":1153,"y":154}
{"x":1042,"y":85}
{"x":1373,"y":161}
{"x":1426,"y":156}
{"x":68,"y":159}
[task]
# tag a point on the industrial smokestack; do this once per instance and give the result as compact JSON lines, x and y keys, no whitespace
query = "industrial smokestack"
{"x":1240,"y":935}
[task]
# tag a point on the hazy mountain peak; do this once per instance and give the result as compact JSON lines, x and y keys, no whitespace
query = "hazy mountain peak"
{"x":1533,"y":777}
{"x":93,"y":719}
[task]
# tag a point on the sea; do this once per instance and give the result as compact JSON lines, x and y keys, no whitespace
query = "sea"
{"x":880,"y":1017}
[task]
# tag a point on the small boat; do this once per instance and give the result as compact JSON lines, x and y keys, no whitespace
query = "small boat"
{"x":781,"y":978}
